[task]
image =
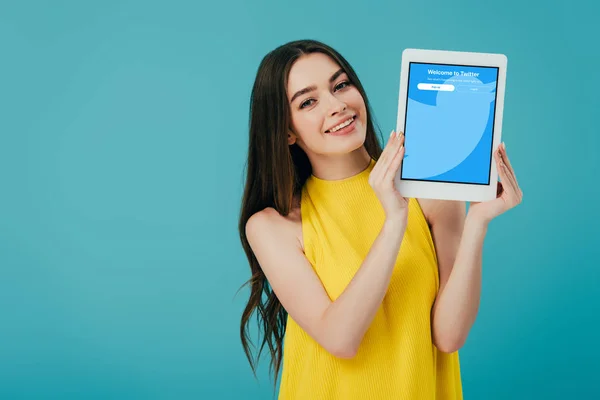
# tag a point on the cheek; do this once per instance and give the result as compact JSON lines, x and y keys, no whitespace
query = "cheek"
{"x":357,"y":101}
{"x":307,"y":124}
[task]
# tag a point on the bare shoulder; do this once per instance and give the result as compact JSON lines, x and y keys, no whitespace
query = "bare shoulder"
{"x":273,"y":239}
{"x":438,"y":210}
{"x":270,"y":222}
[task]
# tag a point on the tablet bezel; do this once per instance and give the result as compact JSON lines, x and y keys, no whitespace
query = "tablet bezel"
{"x":445,"y":190}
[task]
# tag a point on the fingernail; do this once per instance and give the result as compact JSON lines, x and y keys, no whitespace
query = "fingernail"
{"x":398,"y":134}
{"x":392,"y":133}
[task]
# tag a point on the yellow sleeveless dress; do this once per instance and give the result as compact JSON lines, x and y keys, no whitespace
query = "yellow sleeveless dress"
{"x":397,"y":358}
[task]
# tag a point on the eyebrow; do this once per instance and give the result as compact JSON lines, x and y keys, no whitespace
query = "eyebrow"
{"x":311,"y":88}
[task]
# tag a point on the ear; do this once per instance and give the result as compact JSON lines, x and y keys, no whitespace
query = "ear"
{"x":291,"y":138}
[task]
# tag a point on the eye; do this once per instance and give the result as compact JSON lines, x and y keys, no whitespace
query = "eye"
{"x":305,"y":104}
{"x":338,"y":87}
{"x":343,"y":83}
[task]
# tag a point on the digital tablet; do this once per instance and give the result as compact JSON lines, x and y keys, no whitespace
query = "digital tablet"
{"x":450,"y":110}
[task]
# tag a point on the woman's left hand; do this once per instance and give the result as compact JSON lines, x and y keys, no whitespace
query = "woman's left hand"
{"x":508,"y":194}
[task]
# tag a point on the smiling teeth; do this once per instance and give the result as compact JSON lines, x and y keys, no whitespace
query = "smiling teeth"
{"x":343,"y":124}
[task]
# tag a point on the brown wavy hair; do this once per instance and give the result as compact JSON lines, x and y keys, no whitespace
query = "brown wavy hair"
{"x":276,"y":172}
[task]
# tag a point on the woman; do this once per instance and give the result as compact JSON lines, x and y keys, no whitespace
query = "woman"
{"x":375,"y":292}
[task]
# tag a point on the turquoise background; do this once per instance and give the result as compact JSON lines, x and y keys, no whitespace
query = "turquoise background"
{"x":123,"y":140}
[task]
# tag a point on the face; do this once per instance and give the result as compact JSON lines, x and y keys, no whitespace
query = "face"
{"x":322,"y":101}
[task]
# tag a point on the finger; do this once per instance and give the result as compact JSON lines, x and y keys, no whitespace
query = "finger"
{"x":388,"y":146}
{"x":512,"y":190}
{"x":511,"y":171}
{"x":508,"y":164}
{"x":386,"y":155}
{"x":396,"y":162}
{"x":504,"y":155}
{"x":501,"y":170}
{"x":507,"y":182}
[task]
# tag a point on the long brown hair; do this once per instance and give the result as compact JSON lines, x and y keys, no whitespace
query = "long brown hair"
{"x":275,"y":174}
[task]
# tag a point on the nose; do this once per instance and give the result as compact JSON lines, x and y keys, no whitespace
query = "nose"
{"x":336,"y":105}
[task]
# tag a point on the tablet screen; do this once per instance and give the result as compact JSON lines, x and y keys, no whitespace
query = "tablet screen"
{"x":449,"y":123}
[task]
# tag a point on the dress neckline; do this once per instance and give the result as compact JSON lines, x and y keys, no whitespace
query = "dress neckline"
{"x":359,"y":176}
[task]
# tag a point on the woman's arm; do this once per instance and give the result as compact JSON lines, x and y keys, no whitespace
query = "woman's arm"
{"x":337,"y":326}
{"x":351,"y":314}
{"x":459,"y":244}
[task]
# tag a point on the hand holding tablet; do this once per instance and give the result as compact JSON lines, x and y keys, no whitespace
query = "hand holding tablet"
{"x":450,"y":110}
{"x":509,"y":194}
{"x":381,"y":179}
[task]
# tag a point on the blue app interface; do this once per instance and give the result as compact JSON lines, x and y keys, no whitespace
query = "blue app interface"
{"x":449,"y":123}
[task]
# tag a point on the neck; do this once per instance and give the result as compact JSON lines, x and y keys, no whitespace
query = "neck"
{"x":342,"y":166}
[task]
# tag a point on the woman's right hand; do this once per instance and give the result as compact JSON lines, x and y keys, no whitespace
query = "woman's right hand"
{"x":381,"y":179}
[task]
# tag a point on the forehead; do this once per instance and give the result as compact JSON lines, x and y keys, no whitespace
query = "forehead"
{"x":311,"y":69}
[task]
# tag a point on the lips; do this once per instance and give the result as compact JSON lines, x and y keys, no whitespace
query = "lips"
{"x":345,"y":130}
{"x":340,"y":122}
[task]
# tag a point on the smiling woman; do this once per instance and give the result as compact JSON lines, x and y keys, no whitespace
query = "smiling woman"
{"x":344,"y":269}
{"x":323,"y":109}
